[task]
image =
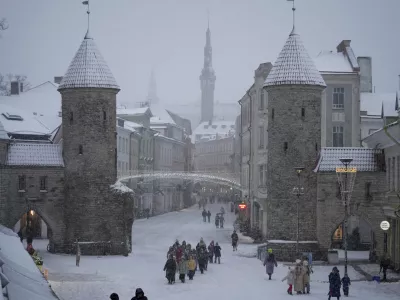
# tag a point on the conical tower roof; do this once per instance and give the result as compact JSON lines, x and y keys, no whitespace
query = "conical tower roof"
{"x":294,"y":66}
{"x":88,"y":69}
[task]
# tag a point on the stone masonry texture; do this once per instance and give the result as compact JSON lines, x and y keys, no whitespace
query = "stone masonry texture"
{"x":302,"y":137}
{"x":93,"y":213}
{"x":330,"y":208}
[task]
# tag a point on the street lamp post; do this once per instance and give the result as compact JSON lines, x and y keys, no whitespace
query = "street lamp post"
{"x":298,"y":191}
{"x":346,"y":162}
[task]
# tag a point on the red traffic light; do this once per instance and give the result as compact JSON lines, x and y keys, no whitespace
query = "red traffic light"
{"x":242,"y":206}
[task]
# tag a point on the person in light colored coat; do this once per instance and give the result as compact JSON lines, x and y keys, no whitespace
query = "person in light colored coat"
{"x":289,"y":279}
{"x":270,"y":263}
{"x":298,"y":283}
{"x":306,"y":279}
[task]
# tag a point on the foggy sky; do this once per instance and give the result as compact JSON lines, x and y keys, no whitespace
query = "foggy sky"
{"x":135,"y":36}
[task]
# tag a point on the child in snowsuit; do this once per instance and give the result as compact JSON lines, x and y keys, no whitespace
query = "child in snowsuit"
{"x":183,"y":269}
{"x":170,"y":269}
{"x":289,"y":279}
{"x":191,"y":267}
{"x":345,"y":284}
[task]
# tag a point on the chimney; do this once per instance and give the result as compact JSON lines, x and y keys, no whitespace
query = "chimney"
{"x":57,"y":79}
{"x":342,"y":46}
{"x":14,"y":88}
{"x":365,"y":64}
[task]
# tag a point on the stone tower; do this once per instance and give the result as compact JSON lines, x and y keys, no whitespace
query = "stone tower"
{"x":92,"y":211}
{"x":294,"y":88}
{"x":207,"y":82}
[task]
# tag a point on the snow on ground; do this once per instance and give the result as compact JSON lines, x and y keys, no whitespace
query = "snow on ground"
{"x":353,"y":255}
{"x":237,"y":277}
{"x":373,"y":269}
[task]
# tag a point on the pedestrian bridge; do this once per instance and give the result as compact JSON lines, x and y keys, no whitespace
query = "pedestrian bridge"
{"x":225,"y":178}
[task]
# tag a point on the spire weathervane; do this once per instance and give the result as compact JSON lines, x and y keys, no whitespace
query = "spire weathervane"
{"x":208,"y":18}
{"x":294,"y":14}
{"x":88,"y":13}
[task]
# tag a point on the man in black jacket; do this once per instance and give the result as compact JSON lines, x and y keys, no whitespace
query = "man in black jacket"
{"x":139,"y":295}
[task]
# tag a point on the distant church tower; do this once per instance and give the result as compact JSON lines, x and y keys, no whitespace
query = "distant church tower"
{"x":207,"y":82}
{"x":294,"y":88}
{"x":152,"y":97}
{"x":88,"y":91}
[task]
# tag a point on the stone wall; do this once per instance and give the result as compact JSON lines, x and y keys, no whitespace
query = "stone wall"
{"x":92,"y":212}
{"x":47,"y":204}
{"x":293,"y":141}
{"x":330,"y":208}
{"x":286,"y":252}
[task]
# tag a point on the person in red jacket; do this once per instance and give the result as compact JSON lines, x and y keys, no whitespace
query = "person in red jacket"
{"x":178,"y":254}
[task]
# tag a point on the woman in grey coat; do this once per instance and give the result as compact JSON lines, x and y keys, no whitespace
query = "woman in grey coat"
{"x":269,"y":263}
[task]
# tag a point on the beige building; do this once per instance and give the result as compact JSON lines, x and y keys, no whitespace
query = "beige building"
{"x":214,"y":154}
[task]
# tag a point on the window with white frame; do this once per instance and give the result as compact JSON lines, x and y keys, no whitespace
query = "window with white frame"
{"x":338,"y":98}
{"x":338,"y":136}
{"x":261,"y":100}
{"x":261,"y":137}
{"x":262,"y":177}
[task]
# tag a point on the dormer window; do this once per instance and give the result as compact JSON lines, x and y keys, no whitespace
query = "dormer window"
{"x":9,"y":116}
{"x":223,"y":126}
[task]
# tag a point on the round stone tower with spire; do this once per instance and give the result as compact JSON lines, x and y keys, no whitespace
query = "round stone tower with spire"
{"x":294,"y":88}
{"x":93,"y":212}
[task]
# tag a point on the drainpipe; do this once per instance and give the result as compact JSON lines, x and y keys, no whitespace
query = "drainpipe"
{"x":249,"y":129}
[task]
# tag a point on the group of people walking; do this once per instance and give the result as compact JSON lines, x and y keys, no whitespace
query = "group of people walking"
{"x":219,"y":217}
{"x":298,"y":277}
{"x":184,"y":260}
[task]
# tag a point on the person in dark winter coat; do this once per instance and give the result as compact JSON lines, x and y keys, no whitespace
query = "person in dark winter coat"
{"x":269,"y":263}
{"x":170,"y":269}
{"x":202,"y":259}
{"x":208,"y":216}
{"x":139,"y":295}
{"x":179,"y":254}
{"x":334,"y":284}
{"x":211,"y":252}
{"x":235,"y":239}
{"x":217,"y":253}
{"x":204,"y":214}
{"x":345,"y":284}
{"x":217,"y":220}
{"x":385,"y":263}
{"x":114,"y":296}
{"x":221,"y":221}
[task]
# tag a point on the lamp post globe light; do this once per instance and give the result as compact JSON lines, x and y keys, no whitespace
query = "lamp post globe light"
{"x":346,"y":162}
{"x":298,"y":191}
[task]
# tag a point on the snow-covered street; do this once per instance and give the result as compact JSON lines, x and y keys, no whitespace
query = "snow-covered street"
{"x":237,"y":277}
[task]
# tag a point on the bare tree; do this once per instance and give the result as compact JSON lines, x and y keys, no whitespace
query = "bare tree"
{"x":5,"y":83}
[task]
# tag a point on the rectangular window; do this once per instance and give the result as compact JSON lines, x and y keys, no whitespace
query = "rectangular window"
{"x":261,"y":137}
{"x":21,"y":183}
{"x":338,"y":98}
{"x":338,"y":136}
{"x":43,"y":183}
{"x":119,"y":144}
{"x":261,"y":101}
{"x":262,"y":179}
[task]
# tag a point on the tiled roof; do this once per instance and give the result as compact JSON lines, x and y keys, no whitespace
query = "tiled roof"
{"x":35,"y":154}
{"x":294,"y":66}
{"x":364,"y":159}
{"x":88,"y":69}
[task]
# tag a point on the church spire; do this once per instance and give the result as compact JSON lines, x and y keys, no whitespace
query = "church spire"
{"x":152,"y":97}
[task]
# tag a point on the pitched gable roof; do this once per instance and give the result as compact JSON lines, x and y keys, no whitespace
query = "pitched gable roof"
{"x":34,"y":154}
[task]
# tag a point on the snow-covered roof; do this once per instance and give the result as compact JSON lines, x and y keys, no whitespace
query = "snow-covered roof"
{"x":3,"y":133}
{"x":373,"y":103}
{"x":133,"y":111}
{"x":19,"y":121}
{"x":132,"y":125}
{"x":294,"y":66}
{"x":88,"y":69}
{"x":42,"y":102}
{"x":333,"y":62}
{"x":24,"y":278}
{"x":35,"y":154}
{"x":364,"y":159}
{"x":210,"y":130}
{"x":160,"y":115}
